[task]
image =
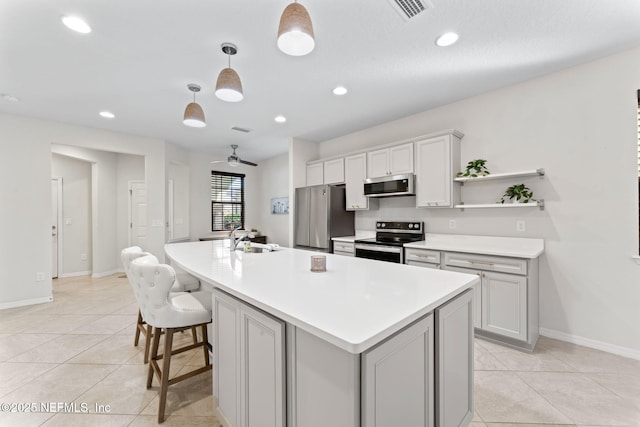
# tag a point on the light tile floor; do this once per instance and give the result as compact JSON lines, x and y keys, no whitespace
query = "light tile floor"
{"x":79,"y":350}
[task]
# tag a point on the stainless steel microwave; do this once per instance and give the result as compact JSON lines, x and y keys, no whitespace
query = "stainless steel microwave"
{"x":392,"y":185}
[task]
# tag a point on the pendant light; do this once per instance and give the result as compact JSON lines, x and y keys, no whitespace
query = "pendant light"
{"x":295,"y":33}
{"x":228,"y":86}
{"x":193,"y":114}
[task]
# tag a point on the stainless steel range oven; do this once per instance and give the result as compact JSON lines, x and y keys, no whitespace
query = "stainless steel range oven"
{"x":390,"y":236}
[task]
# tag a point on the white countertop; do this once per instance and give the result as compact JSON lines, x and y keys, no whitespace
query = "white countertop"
{"x":487,"y":245}
{"x":355,"y":304}
{"x":365,"y":234}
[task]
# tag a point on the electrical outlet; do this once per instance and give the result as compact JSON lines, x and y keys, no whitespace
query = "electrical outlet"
{"x":39,"y":276}
{"x":452,"y":224}
{"x":521,"y":226}
{"x":83,"y":257}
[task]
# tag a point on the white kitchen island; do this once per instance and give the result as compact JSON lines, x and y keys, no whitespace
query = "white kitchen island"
{"x":366,"y":343}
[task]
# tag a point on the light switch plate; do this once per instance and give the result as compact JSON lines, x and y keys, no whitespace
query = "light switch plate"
{"x":521,"y":226}
{"x":452,"y":224}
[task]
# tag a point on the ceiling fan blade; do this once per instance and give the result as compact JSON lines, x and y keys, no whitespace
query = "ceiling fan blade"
{"x":218,"y":161}
{"x":248,"y":163}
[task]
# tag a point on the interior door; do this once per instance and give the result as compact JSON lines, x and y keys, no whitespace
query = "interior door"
{"x":138,"y":214}
{"x":56,"y":206}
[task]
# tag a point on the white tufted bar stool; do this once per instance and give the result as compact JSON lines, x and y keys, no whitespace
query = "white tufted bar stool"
{"x":169,"y":312}
{"x":184,"y":282}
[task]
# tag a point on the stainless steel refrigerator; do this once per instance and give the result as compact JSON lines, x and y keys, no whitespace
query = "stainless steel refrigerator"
{"x":320,"y":215}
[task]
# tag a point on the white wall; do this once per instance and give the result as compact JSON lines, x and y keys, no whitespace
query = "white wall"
{"x":580,"y":125}
{"x":75,"y":223}
{"x":25,"y":153}
{"x":274,"y":182}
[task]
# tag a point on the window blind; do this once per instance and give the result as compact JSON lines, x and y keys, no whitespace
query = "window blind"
{"x":227,"y":200}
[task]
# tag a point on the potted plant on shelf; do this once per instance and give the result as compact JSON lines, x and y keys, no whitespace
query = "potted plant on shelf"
{"x":475,"y":168}
{"x":518,"y":193}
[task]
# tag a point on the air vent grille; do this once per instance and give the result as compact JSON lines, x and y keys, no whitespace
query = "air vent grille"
{"x":239,"y":129}
{"x":409,"y":9}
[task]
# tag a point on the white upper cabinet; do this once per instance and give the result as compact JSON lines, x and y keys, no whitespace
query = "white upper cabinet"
{"x":329,"y":172}
{"x":315,"y":174}
{"x":390,"y":161}
{"x":334,"y":171}
{"x":355,"y":172}
{"x":437,"y":160}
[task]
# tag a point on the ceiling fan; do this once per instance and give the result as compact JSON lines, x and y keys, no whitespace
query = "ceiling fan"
{"x":234,"y":160}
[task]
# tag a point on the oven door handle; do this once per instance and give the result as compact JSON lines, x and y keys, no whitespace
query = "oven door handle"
{"x":379,"y":248}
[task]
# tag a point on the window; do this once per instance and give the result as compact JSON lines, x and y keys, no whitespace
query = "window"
{"x":227,"y":200}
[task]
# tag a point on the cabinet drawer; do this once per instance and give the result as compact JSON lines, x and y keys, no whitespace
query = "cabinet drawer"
{"x":343,"y":247}
{"x":421,"y":255}
{"x":487,"y":263}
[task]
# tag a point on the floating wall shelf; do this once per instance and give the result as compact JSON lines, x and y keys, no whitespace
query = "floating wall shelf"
{"x":536,"y":172}
{"x":538,"y":203}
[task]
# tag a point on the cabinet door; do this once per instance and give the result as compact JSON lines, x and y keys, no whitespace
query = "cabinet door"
{"x":262,"y":371}
{"x":401,"y":159}
{"x":454,"y":383}
{"x":226,"y":357}
{"x":477,"y":294}
{"x":334,"y":171}
{"x":378,"y":163}
{"x":504,"y":304}
{"x":397,"y":379}
{"x":343,"y":248}
{"x":315,"y":174}
{"x":355,"y":172}
{"x":434,"y":175}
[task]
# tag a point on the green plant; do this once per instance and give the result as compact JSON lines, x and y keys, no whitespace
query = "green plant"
{"x":520,"y":192}
{"x":475,"y":168}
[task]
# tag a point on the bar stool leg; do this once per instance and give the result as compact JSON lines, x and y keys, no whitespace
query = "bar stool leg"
{"x":164,"y":376}
{"x":137,"y":337}
{"x":154,"y":356}
{"x":147,"y":343}
{"x":205,"y":340}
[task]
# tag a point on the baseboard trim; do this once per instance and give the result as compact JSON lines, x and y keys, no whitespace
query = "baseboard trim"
{"x":25,"y":302}
{"x":104,"y":274}
{"x":587,"y":342}
{"x":76,"y":274}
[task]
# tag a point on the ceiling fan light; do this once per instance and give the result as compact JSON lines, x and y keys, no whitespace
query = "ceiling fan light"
{"x":295,"y":33}
{"x":233,"y":162}
{"x":194,"y":116}
{"x":228,"y":86}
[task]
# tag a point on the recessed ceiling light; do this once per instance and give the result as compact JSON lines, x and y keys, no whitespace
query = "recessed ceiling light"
{"x":447,"y":39}
{"x":76,"y":24}
{"x":107,"y":114}
{"x":9,"y":98}
{"x":280,"y":119}
{"x":340,"y":90}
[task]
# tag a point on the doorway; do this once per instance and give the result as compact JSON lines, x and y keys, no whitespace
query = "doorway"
{"x":56,"y":236}
{"x":138,"y":214}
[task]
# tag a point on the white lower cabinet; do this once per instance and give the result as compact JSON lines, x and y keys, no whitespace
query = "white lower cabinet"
{"x":454,"y":362}
{"x":249,"y":364}
{"x":504,"y":304}
{"x":398,"y":378}
{"x":505,"y":301}
{"x":344,"y":248}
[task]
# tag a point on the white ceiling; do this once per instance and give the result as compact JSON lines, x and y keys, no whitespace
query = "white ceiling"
{"x":141,"y":55}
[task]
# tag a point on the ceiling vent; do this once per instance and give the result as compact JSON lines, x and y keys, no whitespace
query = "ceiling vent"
{"x":409,"y":9}
{"x":239,"y":129}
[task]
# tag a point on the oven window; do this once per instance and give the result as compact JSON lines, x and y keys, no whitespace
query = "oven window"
{"x":377,"y":255}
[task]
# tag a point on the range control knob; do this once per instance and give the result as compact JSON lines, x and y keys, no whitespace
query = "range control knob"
{"x":416,"y":226}
{"x":378,"y":224}
{"x":410,"y":225}
{"x":383,"y":225}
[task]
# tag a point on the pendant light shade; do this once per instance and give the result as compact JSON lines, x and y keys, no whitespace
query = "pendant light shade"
{"x":295,"y":33}
{"x":228,"y":86}
{"x":193,"y":114}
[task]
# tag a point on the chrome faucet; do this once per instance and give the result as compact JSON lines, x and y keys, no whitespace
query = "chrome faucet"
{"x":233,"y":244}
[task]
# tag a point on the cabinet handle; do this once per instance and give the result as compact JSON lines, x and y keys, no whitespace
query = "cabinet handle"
{"x":482,"y":263}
